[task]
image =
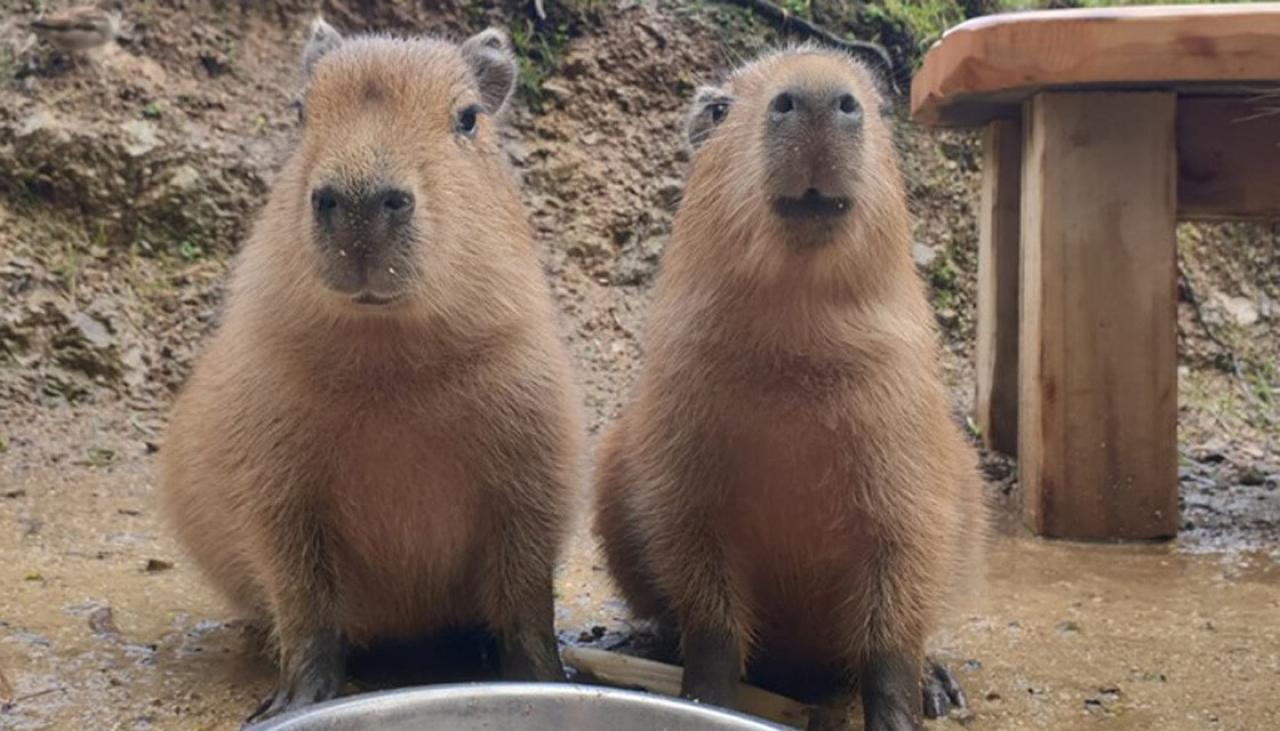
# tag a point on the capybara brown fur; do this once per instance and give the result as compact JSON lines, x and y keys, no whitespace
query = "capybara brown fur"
{"x":381,"y":441}
{"x":787,"y":485}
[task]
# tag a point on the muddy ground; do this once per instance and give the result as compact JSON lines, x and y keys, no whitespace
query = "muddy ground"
{"x":126,"y":183}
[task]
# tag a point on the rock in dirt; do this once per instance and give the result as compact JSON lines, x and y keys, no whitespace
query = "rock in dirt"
{"x":924,"y":255}
{"x":1251,"y":475}
{"x":142,"y":137}
{"x":156,"y":565}
{"x":102,"y":622}
{"x":637,"y":264}
{"x":87,"y":346}
{"x":1237,"y":310}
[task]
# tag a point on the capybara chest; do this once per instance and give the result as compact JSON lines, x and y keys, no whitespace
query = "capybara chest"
{"x":790,"y":493}
{"x":797,"y":539}
{"x":407,"y":510}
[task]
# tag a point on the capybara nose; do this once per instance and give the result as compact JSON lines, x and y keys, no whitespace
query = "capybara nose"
{"x":380,"y":208}
{"x":325,"y":202}
{"x":848,"y":110}
{"x":393,"y":205}
{"x":783,"y":106}
{"x":794,"y":106}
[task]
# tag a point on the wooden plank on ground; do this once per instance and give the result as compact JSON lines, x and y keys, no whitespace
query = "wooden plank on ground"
{"x":1098,"y":397}
{"x":626,"y":671}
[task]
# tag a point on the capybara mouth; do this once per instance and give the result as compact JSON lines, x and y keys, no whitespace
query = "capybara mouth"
{"x":811,"y":205}
{"x":377,"y":300}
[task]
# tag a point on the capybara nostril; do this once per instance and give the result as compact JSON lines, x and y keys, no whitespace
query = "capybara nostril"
{"x":396,"y":204}
{"x":324,"y":201}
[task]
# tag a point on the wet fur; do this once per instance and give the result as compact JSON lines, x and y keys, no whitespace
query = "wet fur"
{"x":787,"y":470}
{"x":377,"y":474}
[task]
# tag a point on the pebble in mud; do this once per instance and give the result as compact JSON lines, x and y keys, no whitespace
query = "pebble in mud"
{"x":102,"y":622}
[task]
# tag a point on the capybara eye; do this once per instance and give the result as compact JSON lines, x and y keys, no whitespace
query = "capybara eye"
{"x":467,"y":120}
{"x":848,"y":105}
{"x":783,"y":103}
{"x":719,"y":111}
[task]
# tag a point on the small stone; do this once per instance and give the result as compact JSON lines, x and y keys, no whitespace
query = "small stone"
{"x":1069,"y":627}
{"x":142,"y":137}
{"x":184,"y":177}
{"x":1251,"y":475}
{"x":669,"y":192}
{"x":41,"y":121}
{"x":155,"y":565}
{"x":1241,"y":309}
{"x":102,"y":622}
{"x":557,"y":92}
{"x":924,"y":255}
{"x":1267,"y":308}
{"x":637,"y":264}
{"x":575,"y":66}
{"x":93,"y":331}
{"x":1210,"y":455}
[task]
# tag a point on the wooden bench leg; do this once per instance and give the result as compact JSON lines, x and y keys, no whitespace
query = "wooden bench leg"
{"x":1098,"y":377}
{"x":998,"y":272}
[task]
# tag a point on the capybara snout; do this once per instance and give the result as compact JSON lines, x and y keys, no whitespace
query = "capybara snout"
{"x":366,"y":236}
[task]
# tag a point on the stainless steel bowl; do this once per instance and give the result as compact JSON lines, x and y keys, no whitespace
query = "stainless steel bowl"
{"x":515,"y":707}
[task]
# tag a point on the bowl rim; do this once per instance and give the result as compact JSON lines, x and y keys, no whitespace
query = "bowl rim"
{"x":491,"y":690}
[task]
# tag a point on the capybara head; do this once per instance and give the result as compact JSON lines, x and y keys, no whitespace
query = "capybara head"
{"x":794,"y":142}
{"x":400,"y":180}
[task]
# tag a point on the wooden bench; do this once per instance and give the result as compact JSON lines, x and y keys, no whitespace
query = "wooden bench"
{"x":1103,"y":128}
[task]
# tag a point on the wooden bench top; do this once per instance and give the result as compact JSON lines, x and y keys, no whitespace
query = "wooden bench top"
{"x":984,"y":68}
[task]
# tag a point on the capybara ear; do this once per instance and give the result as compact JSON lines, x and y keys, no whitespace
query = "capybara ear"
{"x":710,"y":108}
{"x":489,"y":55}
{"x":323,"y":38}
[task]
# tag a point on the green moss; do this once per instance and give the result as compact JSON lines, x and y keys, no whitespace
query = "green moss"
{"x":943,"y":274}
{"x":799,"y":7}
{"x":925,"y":20}
{"x":540,"y":45}
{"x":190,"y":250}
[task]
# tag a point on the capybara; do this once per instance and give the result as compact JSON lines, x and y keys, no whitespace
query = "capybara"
{"x":382,"y":439}
{"x":787,"y":485}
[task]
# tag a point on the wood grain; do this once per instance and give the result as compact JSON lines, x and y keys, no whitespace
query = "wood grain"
{"x":1098,"y":381}
{"x":984,"y":68}
{"x":998,"y":272}
{"x":626,"y":671}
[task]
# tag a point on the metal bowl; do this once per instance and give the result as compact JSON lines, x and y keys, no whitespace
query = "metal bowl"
{"x":522,"y":706}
